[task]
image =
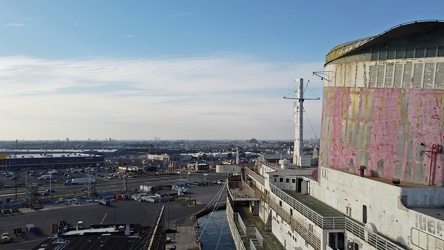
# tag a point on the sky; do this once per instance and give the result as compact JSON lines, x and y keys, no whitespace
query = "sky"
{"x":188,"y":70}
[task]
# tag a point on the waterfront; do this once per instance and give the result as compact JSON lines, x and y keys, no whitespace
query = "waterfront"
{"x":215,"y":232}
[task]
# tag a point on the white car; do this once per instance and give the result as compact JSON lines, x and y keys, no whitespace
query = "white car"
{"x":5,"y":238}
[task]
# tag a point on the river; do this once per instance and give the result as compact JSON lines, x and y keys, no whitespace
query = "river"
{"x":215,"y":232}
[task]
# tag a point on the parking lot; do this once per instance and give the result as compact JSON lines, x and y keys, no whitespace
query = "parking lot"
{"x":90,"y":212}
{"x":51,"y":182}
{"x":10,"y":178}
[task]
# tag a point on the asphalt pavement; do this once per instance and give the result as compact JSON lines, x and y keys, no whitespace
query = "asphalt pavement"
{"x":178,"y":216}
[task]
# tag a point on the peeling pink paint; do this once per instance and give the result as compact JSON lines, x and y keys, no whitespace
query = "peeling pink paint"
{"x":403,"y":124}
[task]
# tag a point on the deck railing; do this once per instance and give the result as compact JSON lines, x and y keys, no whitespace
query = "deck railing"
{"x":336,"y":222}
{"x":259,"y":237}
{"x":242,"y":226}
{"x":255,"y":176}
{"x":300,"y":228}
{"x":250,"y":233}
{"x":253,"y":244}
{"x":238,"y":242}
{"x":374,"y":239}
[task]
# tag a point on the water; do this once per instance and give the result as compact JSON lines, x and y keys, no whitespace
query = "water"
{"x":216,"y":232}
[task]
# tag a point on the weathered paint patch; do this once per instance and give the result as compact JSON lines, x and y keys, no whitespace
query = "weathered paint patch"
{"x":418,"y":174}
{"x":402,"y":108}
{"x":400,"y":142}
{"x":409,"y":147}
{"x":380,"y":169}
{"x":360,"y":136}
{"x":408,"y":172}
{"x":440,"y":228}
{"x":398,"y":172}
{"x":351,"y":166}
{"x":431,"y":226}
{"x":383,"y":125}
{"x":354,"y":131}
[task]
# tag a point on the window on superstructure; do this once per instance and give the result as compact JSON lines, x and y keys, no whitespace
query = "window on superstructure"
{"x":420,"y":53}
{"x":391,"y":54}
{"x":441,"y":51}
{"x":281,"y":179}
{"x":293,"y":180}
{"x":431,"y":52}
{"x":348,"y":211}
{"x":291,"y":212}
{"x":383,"y":55}
{"x":375,"y":55}
{"x":410,"y":53}
{"x":280,"y":203}
{"x":400,"y":53}
{"x":364,"y":214}
{"x":287,"y":180}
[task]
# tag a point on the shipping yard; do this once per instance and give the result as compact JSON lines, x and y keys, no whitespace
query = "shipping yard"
{"x":140,"y":215}
{"x":125,"y":190}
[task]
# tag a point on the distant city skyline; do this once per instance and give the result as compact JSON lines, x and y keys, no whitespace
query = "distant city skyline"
{"x":175,"y":70}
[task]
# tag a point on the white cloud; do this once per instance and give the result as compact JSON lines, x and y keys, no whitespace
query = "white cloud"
{"x":13,"y":24}
{"x":208,"y":97}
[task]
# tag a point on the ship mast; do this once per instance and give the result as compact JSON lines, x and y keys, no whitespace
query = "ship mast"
{"x":298,"y":112}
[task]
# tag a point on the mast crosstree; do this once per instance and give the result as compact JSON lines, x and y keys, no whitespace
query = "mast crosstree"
{"x":298,"y":112}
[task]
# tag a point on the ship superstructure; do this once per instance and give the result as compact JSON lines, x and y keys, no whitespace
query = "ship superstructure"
{"x":379,"y":182}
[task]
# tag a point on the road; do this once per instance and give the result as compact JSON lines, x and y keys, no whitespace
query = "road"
{"x":102,"y":185}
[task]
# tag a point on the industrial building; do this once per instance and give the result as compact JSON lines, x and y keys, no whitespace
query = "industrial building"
{"x":54,"y":159}
{"x":379,"y":182}
{"x":114,"y":236}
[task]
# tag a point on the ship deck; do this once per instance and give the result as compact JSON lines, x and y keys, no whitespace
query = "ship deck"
{"x":314,"y":204}
{"x":270,"y":241}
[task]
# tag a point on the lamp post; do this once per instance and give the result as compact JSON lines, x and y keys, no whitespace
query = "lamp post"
{"x":15,"y":178}
{"x":114,"y":208}
{"x":189,"y":186}
{"x":168,"y":212}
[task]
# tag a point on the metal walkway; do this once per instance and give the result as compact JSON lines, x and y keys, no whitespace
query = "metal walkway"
{"x":269,"y":240}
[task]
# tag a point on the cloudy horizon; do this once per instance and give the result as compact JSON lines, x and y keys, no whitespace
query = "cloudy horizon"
{"x":170,"y":98}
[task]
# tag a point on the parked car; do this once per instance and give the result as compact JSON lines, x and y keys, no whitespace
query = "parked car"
{"x":5,"y":238}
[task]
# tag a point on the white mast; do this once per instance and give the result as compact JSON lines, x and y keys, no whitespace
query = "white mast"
{"x":298,"y":112}
{"x":299,"y":123}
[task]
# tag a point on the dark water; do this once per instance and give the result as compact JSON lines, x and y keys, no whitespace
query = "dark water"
{"x":216,"y":232}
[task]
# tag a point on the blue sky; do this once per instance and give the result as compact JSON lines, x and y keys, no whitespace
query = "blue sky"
{"x":174,"y":69}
